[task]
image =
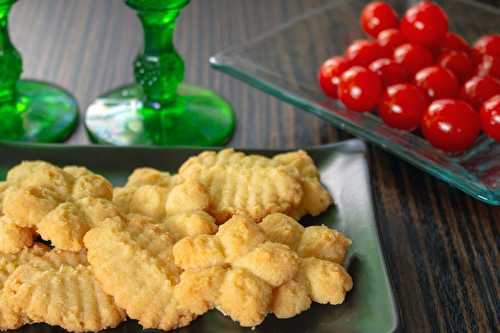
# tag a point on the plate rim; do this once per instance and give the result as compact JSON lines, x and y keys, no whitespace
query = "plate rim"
{"x":355,"y":143}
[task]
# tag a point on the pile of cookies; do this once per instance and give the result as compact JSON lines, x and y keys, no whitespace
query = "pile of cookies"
{"x":164,"y":249}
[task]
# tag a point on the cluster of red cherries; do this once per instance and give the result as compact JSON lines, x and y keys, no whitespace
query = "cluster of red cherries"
{"x":420,"y":75}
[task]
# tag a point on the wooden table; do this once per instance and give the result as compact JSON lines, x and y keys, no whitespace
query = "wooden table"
{"x":441,"y":245}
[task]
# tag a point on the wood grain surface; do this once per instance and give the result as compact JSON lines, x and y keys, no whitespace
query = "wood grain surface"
{"x":441,"y":245}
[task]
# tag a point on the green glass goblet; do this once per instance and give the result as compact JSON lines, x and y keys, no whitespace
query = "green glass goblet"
{"x":30,"y":110}
{"x":158,"y":109}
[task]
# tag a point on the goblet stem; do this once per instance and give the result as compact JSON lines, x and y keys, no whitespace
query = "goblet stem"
{"x":159,"y":69}
{"x":10,"y":61}
{"x":159,"y":109}
{"x":158,"y":32}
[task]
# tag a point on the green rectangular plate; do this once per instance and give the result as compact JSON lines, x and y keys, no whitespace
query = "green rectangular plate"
{"x":369,"y":307}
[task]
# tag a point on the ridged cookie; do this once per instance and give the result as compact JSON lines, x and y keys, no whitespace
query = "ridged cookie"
{"x":315,"y":198}
{"x":10,"y":318}
{"x":134,"y":263}
{"x":257,"y":272}
{"x":225,"y":157}
{"x":59,"y":204}
{"x":61,"y":290}
{"x":254,"y":192}
{"x":240,"y":263}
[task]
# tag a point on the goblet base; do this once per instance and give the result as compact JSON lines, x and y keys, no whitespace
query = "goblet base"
{"x":41,"y":112}
{"x":198,"y":117}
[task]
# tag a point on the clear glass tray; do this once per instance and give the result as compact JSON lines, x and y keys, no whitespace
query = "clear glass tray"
{"x":284,"y":62}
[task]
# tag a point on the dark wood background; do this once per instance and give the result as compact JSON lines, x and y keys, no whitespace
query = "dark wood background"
{"x":441,"y":245}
